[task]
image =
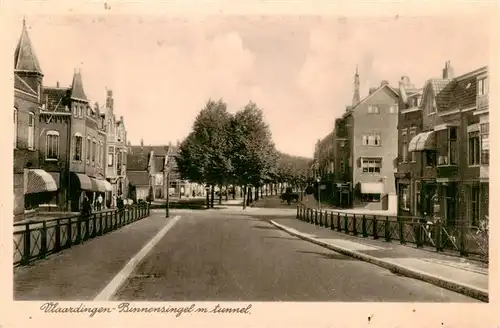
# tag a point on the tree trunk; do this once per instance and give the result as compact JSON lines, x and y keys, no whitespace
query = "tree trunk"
{"x":256,"y":193}
{"x":220,"y":195}
{"x":244,"y":192}
{"x":212,"y":193}
{"x":227,"y":193}
{"x":249,"y":196}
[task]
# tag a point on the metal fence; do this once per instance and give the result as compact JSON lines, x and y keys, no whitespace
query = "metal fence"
{"x":465,"y":240}
{"x":37,"y":240}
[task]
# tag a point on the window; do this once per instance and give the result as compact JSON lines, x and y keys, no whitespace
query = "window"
{"x":371,"y":140}
{"x":393,"y":109}
{"x":39,"y":92}
{"x":88,"y":112}
{"x":430,"y":158}
{"x":78,"y":148}
{"x":485,"y":143}
{"x":373,"y":109}
{"x":474,"y":205}
{"x":89,"y":142}
{"x":373,"y":198}
{"x":453,"y":146}
{"x":413,"y":133}
{"x":111,"y":155}
{"x":52,"y":145}
{"x":474,"y":148}
{"x":404,"y":146}
{"x":15,"y":127}
{"x":371,"y":165}
{"x":404,"y":191}
{"x":31,"y":131}
{"x":94,"y":150}
{"x":80,"y":110}
{"x":482,"y":86}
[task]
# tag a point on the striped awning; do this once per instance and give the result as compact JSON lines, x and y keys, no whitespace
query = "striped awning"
{"x":85,"y":182}
{"x":104,"y":185}
{"x":40,"y":181}
{"x":423,"y":141}
{"x":372,"y":188}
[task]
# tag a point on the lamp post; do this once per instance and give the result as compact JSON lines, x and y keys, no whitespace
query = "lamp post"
{"x":319,"y":193}
{"x":207,"y":190}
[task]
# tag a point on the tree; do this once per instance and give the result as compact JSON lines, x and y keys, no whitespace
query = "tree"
{"x":253,"y":155}
{"x":204,"y":155}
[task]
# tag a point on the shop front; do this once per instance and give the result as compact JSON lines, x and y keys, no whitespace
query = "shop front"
{"x":40,"y":187}
{"x":82,"y":185}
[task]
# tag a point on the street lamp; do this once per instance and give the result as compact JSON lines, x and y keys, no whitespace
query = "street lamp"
{"x":319,"y":193}
{"x":207,"y":189}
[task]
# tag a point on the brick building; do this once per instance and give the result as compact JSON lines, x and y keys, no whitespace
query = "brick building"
{"x":116,"y":152}
{"x":449,"y":178}
{"x":31,"y":184}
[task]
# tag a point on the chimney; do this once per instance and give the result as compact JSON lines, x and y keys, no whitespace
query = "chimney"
{"x":57,"y":84}
{"x":121,"y":118}
{"x":384,"y":82}
{"x":447,"y":71}
{"x":402,"y":91}
{"x":348,"y":108}
{"x":142,"y":144}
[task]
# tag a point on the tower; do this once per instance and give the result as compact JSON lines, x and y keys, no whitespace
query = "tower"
{"x":355,"y":96}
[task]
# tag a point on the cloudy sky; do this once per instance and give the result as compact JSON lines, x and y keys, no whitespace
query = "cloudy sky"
{"x":299,"y":70}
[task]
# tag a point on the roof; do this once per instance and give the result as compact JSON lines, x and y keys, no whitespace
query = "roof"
{"x":56,"y":98}
{"x":77,"y":91}
{"x":159,"y":163}
{"x":137,"y":161}
{"x":371,"y":95}
{"x":24,"y":57}
{"x":158,"y":150}
{"x":138,"y":178}
{"x":464,"y":93}
{"x":21,"y":85}
{"x":442,"y":90}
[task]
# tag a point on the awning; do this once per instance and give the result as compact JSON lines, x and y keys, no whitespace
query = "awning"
{"x":104,"y":185}
{"x":84,"y":181}
{"x":372,"y":188}
{"x":423,"y":141}
{"x":40,"y":181}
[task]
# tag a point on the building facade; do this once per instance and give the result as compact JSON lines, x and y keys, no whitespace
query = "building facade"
{"x":31,"y":184}
{"x":116,"y":152}
{"x":445,"y":175}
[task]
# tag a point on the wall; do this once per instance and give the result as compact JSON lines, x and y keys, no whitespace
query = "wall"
{"x":385,"y":124}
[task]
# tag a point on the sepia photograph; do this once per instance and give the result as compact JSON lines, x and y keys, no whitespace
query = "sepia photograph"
{"x":249,"y":158}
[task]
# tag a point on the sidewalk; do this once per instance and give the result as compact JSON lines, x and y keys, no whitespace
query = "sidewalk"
{"x":310,"y":202}
{"x":457,"y":274}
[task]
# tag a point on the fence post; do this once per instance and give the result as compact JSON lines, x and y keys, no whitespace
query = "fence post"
{"x":387,"y":229}
{"x":27,"y":244}
{"x":339,"y":226}
{"x":354,"y":228}
{"x":419,"y":240}
{"x":321,"y":218}
{"x":69,"y":231}
{"x":297,"y":211}
{"x":316,"y":217}
{"x":94,"y":225}
{"x":363,"y":226}
{"x":375,"y":231}
{"x":100,"y":224}
{"x":57,"y":246}
{"x":325,"y":219}
{"x":87,"y":227}
{"x":43,"y":241}
{"x":332,"y":226}
{"x":346,"y":223}
{"x":78,"y":230}
{"x":401,"y":224}
{"x":437,"y":231}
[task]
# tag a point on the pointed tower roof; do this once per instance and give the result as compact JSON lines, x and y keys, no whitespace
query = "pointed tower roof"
{"x":77,"y":87}
{"x":24,"y":56}
{"x":355,"y":97}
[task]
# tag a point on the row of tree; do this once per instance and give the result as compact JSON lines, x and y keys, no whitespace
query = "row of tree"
{"x":237,"y":149}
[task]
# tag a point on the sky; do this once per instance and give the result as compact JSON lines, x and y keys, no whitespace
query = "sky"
{"x":298,"y":69}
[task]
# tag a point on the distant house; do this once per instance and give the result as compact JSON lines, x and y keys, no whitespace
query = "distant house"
{"x":140,"y":172}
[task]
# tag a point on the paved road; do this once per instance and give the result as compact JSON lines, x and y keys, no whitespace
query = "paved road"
{"x":216,"y":255}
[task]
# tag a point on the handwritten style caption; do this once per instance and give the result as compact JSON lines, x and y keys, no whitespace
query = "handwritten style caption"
{"x":126,"y":307}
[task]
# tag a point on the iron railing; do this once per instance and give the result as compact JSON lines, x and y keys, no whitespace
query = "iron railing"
{"x":36,"y":240}
{"x":462,"y":239}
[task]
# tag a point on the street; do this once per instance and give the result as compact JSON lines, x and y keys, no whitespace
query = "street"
{"x":216,"y":255}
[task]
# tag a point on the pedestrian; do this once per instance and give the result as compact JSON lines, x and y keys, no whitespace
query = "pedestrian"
{"x":99,"y":202}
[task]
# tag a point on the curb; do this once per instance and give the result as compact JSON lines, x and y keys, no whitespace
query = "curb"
{"x":477,"y":293}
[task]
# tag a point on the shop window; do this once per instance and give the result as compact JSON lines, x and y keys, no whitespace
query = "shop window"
{"x":370,"y":198}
